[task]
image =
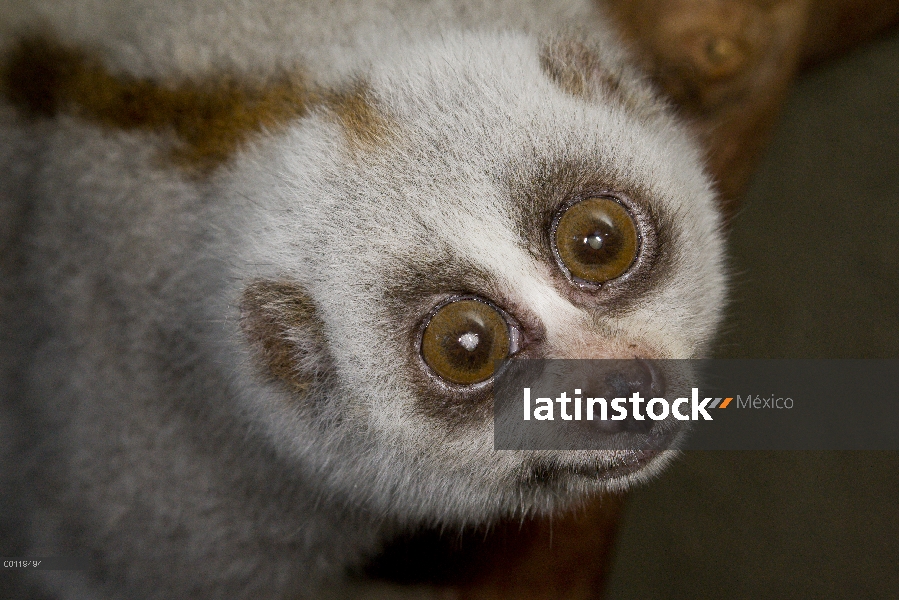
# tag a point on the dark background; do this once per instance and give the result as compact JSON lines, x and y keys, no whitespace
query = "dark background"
{"x":815,"y":258}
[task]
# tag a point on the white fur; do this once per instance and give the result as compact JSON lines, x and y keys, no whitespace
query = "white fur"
{"x":170,"y":456}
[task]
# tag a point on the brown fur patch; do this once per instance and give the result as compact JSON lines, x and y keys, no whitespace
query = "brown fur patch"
{"x":575,"y":68}
{"x":280,"y":320}
{"x":364,"y":125}
{"x":578,"y":70}
{"x":211,"y":118}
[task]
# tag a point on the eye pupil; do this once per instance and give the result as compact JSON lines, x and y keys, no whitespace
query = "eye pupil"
{"x":463,"y":339}
{"x":469,"y":341}
{"x":596,"y":240}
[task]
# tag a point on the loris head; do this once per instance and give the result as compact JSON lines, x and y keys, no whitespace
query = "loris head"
{"x":474,"y":199}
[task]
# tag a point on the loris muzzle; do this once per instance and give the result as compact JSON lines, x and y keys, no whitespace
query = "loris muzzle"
{"x":269,"y":252}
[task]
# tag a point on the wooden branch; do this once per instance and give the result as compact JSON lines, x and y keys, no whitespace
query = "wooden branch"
{"x":728,"y":64}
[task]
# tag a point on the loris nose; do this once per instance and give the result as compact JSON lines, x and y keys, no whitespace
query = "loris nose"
{"x":622,"y":379}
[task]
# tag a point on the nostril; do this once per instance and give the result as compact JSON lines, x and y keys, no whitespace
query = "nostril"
{"x":629,"y":377}
{"x":626,"y":378}
{"x":618,"y":385}
{"x":655,"y":378}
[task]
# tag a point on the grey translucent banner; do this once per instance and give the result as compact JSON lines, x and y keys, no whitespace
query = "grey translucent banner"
{"x":697,"y":404}
{"x":51,"y":563}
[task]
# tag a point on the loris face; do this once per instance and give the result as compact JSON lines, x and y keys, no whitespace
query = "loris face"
{"x":459,"y":201}
{"x":453,"y":202}
{"x":474,"y":199}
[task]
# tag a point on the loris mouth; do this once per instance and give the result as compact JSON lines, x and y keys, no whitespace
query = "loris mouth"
{"x":602,"y":465}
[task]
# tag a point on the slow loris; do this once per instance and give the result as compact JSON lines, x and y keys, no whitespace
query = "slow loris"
{"x":260,"y":258}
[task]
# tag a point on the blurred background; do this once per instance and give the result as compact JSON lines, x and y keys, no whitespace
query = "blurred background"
{"x":815,"y":254}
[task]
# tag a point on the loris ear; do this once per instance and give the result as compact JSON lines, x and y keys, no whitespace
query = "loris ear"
{"x":281,"y":324}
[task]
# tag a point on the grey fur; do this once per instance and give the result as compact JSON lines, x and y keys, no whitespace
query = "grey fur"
{"x":148,"y":438}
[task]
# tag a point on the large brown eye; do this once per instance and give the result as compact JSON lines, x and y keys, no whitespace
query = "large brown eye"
{"x":462,"y":340}
{"x":596,"y":240}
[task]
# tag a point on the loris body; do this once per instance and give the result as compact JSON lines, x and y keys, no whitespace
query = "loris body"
{"x":232,"y":229}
